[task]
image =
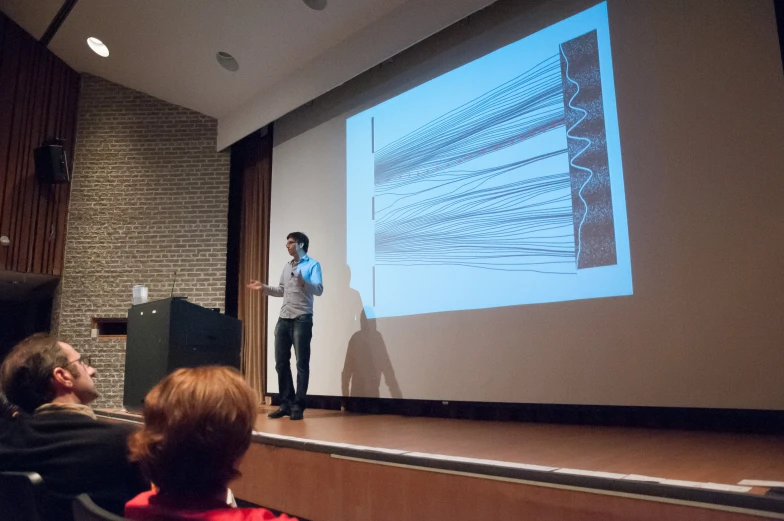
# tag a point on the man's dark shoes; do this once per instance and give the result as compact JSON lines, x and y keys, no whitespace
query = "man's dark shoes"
{"x":280,"y":413}
{"x":296,"y":414}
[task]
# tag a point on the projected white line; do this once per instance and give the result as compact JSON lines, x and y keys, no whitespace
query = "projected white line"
{"x":571,"y":161}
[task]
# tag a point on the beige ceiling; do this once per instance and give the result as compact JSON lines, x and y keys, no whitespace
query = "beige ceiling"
{"x":166,"y":48}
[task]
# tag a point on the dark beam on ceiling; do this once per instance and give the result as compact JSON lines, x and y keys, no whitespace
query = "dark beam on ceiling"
{"x":57,"y":21}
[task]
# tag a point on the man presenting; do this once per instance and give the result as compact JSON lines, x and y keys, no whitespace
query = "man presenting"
{"x":299,"y":283}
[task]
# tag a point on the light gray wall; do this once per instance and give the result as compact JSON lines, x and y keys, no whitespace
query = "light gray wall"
{"x":149,"y":196}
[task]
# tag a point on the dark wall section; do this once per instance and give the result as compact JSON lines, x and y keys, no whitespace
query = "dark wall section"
{"x":19,"y":319}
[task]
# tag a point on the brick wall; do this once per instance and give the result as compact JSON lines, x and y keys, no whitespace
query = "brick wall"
{"x":149,"y":196}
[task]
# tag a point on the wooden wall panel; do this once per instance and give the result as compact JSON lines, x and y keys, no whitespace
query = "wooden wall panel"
{"x":39,"y":97}
{"x":319,"y":487}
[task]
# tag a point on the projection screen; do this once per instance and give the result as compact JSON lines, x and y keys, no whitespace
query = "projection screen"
{"x":573,"y":205}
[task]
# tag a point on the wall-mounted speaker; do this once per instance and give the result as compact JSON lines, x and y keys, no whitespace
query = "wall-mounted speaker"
{"x":51,"y":164}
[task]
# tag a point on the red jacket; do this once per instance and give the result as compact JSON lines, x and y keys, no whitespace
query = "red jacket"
{"x":147,"y":507}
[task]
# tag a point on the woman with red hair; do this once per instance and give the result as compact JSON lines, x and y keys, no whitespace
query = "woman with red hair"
{"x":197,"y":426}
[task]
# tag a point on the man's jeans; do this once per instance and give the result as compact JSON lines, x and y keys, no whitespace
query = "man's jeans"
{"x":297,"y":331}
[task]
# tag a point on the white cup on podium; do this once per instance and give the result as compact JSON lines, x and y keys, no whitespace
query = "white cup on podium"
{"x":139,"y":294}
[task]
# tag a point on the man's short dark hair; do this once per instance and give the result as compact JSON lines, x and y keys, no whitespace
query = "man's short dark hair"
{"x":26,"y":373}
{"x":300,"y":238}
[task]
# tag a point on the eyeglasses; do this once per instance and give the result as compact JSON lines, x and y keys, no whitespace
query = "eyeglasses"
{"x":290,"y":242}
{"x":83,"y":359}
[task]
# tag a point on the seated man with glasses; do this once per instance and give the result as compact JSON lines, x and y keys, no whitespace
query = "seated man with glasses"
{"x":57,"y":434}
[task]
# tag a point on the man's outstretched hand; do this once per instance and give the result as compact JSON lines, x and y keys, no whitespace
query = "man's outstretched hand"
{"x":254,"y":285}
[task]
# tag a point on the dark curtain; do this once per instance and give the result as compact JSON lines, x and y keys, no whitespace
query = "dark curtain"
{"x":248,"y":248}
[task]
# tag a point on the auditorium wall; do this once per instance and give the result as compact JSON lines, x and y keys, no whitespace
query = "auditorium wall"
{"x":149,"y":197}
{"x":39,"y":94}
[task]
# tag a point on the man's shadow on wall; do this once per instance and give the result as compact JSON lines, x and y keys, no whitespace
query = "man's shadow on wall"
{"x":366,"y":361}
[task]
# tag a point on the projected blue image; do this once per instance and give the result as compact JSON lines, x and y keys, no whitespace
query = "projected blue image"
{"x":496,"y":184}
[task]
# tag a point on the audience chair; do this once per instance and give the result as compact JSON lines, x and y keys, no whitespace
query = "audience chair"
{"x":85,"y":510}
{"x":22,"y":497}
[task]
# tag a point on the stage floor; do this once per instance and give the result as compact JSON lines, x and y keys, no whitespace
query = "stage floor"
{"x":673,"y":457}
{"x":541,"y":468}
{"x":702,"y":457}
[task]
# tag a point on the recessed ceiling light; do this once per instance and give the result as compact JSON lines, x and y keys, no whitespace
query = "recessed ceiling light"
{"x":227,"y":61}
{"x":98,"y":47}
{"x":318,"y":5}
